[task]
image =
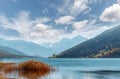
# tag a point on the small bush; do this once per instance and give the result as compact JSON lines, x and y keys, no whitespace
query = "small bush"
{"x":29,"y":69}
{"x":33,"y":66}
{"x":33,"y":69}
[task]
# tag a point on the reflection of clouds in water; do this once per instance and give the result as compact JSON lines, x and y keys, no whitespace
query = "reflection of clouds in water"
{"x":53,"y":76}
{"x":88,"y":76}
{"x":72,"y":75}
{"x":66,"y":69}
{"x":66,"y":74}
{"x":62,"y":74}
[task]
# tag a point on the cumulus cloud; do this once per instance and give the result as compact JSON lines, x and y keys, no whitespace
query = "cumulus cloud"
{"x":94,"y":31}
{"x":78,"y":7}
{"x":83,"y":24}
{"x":86,"y":28}
{"x":88,"y":32}
{"x":38,"y":29}
{"x":118,"y":1}
{"x":111,"y":14}
{"x":74,"y":7}
{"x":80,"y":25}
{"x":42,"y":20}
{"x":64,"y":20}
{"x":30,"y":29}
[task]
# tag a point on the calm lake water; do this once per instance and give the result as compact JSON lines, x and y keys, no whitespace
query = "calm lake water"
{"x":77,"y":68}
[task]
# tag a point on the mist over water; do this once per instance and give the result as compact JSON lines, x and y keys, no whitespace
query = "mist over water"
{"x":75,"y":68}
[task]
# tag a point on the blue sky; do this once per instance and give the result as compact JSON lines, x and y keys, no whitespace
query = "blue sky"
{"x":44,"y":21}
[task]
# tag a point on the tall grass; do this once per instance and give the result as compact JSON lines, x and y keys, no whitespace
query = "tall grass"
{"x":32,"y":65}
{"x":36,"y":68}
{"x":2,"y":77}
{"x":7,"y":67}
{"x":30,"y":69}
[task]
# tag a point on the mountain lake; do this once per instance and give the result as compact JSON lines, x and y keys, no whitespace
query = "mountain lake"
{"x":74,"y":68}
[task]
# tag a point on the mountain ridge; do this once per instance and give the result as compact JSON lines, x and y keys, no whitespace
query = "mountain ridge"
{"x":106,"y":41}
{"x":9,"y":52}
{"x":34,"y":49}
{"x":66,"y":43}
{"x":28,"y":48}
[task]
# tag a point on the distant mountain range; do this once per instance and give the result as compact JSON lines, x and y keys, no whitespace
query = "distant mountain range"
{"x":9,"y":52}
{"x":65,"y":43}
{"x":106,"y":44}
{"x":29,"y":48}
{"x":33,"y":49}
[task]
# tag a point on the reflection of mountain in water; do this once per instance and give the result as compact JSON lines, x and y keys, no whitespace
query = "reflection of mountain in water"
{"x":73,"y":69}
{"x":66,"y":74}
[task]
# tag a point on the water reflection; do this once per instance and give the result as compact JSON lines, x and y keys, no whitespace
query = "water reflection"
{"x":74,"y":69}
{"x":33,"y":74}
{"x":25,"y":70}
{"x":102,"y":75}
{"x":66,"y":74}
{"x":24,"y":74}
{"x":63,"y":74}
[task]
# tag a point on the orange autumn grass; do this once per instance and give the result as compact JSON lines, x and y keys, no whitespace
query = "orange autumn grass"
{"x":25,"y":69}
{"x":2,"y":77}
{"x":36,"y":68}
{"x":7,"y":67}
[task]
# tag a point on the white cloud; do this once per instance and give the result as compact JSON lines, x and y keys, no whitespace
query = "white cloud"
{"x":87,"y":11}
{"x":41,"y":27}
{"x":80,"y":25}
{"x":118,"y":1}
{"x":42,"y":20}
{"x":64,"y":20}
{"x":31,"y":29}
{"x":94,"y":31}
{"x":78,"y":7}
{"x":90,"y":32}
{"x":74,"y":7}
{"x":45,"y":32}
{"x":83,"y":24}
{"x":45,"y":10}
{"x":86,"y":28}
{"x":111,"y":14}
{"x":37,"y":30}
